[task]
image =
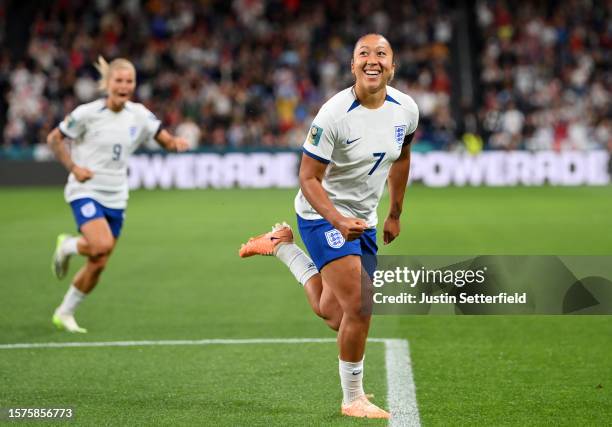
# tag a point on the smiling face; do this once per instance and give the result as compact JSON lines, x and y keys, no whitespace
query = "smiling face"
{"x":121,"y":85}
{"x":372,"y":63}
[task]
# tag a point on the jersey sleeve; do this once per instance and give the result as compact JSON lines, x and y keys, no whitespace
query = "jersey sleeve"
{"x":151,"y":125}
{"x":319,"y":142}
{"x":412,"y":113}
{"x":73,"y":126}
{"x":413,"y":117}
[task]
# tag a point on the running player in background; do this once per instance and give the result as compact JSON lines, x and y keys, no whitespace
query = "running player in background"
{"x":105,"y":132}
{"x":359,"y":139}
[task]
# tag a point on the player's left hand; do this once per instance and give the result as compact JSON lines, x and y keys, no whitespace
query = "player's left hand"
{"x":180,"y":144}
{"x":391,"y":229}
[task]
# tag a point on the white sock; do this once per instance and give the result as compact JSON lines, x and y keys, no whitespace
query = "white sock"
{"x":69,"y":246}
{"x":71,"y":301}
{"x":300,"y":264}
{"x":351,"y":379}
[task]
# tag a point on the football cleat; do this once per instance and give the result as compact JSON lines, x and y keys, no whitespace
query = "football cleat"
{"x":66,"y":322}
{"x":59,"y":264}
{"x":363,"y":408}
{"x":266,"y":244}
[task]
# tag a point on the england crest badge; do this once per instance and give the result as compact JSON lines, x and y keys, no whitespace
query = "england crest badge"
{"x":133,"y":132}
{"x":88,"y":210}
{"x":334,"y":238}
{"x":400,"y":134}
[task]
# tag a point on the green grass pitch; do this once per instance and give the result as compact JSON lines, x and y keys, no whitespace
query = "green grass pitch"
{"x":176,"y":275}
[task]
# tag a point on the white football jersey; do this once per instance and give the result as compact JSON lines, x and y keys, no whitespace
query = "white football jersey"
{"x":360,"y":145}
{"x":103,"y":141}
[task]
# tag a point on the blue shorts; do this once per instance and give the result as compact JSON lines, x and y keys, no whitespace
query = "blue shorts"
{"x":325,"y":244}
{"x":86,"y":209}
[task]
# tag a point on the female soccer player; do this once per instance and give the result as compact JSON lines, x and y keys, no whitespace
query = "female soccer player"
{"x":360,"y":138}
{"x":105,"y":132}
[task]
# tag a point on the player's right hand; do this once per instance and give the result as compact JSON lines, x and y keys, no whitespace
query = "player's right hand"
{"x":81,"y":174}
{"x":180,"y":144}
{"x":350,"y":228}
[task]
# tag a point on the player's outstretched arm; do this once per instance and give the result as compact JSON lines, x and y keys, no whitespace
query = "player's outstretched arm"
{"x":311,"y":176}
{"x":398,"y":178}
{"x":55,"y":140}
{"x":171,"y":142}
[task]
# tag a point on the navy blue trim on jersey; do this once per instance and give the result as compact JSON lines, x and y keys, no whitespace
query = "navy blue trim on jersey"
{"x":159,"y":129}
{"x":388,"y":98}
{"x":314,"y":156}
{"x":63,"y":133}
{"x":408,"y":139}
{"x":354,"y":105}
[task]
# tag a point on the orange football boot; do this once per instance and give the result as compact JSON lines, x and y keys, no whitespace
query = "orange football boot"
{"x":266,"y":244}
{"x":363,"y":408}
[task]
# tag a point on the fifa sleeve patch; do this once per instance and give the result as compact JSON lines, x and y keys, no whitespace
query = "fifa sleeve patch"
{"x":70,"y":122}
{"x":314,"y":135}
{"x":68,"y":127}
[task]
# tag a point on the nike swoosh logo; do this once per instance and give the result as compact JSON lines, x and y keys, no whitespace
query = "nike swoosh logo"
{"x":348,"y":142}
{"x":357,"y":372}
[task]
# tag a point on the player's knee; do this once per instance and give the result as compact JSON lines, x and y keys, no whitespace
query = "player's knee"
{"x":351,"y":306}
{"x":97,"y":264}
{"x":356,"y":315}
{"x":331,"y":314}
{"x":101,"y":248}
{"x":334,"y":324}
{"x":332,"y":321}
{"x":318,"y":312}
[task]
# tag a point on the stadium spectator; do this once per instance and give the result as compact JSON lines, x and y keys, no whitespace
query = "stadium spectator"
{"x":545,"y":74}
{"x":253,"y":72}
{"x":254,"y":68}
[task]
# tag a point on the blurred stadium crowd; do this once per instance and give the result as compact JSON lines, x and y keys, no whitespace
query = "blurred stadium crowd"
{"x":545,"y":74}
{"x":248,"y":73}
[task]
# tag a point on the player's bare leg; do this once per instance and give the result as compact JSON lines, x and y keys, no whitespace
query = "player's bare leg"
{"x":334,"y":295}
{"x":323,"y":301}
{"x":344,"y":277}
{"x":97,"y":243}
{"x":279,"y":242}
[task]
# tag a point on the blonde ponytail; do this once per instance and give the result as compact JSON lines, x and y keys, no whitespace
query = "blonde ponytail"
{"x":105,"y":69}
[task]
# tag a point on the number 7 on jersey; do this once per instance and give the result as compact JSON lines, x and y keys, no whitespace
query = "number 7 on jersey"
{"x":379,"y":157}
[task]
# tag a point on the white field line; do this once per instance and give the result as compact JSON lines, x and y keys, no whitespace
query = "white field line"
{"x":401,"y":392}
{"x":148,"y":343}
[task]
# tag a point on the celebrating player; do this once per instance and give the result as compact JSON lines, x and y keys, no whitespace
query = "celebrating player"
{"x":360,"y":138}
{"x":105,"y":132}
